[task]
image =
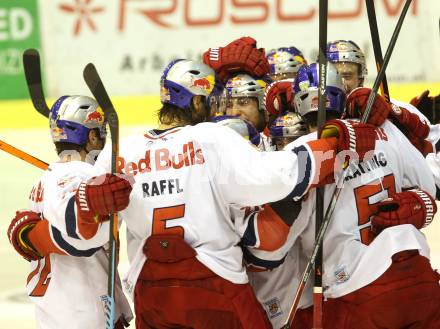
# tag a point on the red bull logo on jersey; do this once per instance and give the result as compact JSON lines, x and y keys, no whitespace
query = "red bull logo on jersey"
{"x":97,"y":116}
{"x":162,"y":159}
{"x":206,"y":83}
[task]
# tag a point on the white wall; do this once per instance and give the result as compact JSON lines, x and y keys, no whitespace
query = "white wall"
{"x":148,"y":33}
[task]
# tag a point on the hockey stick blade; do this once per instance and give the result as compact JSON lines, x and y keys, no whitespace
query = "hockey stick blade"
{"x":32,"y":72}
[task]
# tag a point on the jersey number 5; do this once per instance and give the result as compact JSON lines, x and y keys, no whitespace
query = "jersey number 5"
{"x":162,"y":215}
{"x":367,"y":197}
{"x":43,"y":271}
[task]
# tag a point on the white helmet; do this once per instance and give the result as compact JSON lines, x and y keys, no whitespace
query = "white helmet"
{"x":243,"y":85}
{"x":346,"y":51}
{"x":182,"y":79}
{"x":72,"y":117}
{"x":306,"y":90}
{"x":285,"y":60}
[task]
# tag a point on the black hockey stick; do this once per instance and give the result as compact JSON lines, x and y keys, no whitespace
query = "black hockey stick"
{"x":32,"y":72}
{"x":341,"y":179}
{"x":372,"y":20}
{"x":322,"y":60}
{"x":96,"y":86}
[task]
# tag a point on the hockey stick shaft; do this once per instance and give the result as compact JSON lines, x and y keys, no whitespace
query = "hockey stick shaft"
{"x":23,"y":155}
{"x":32,"y":72}
{"x":339,"y":184}
{"x":374,"y":31}
{"x":386,"y":60}
{"x":322,"y":62}
{"x":97,"y":88}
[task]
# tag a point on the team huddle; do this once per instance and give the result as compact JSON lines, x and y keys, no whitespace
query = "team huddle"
{"x":220,"y":200}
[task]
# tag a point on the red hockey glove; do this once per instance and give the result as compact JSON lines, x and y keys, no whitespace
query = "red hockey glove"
{"x":241,"y":55}
{"x":428,"y":105}
{"x":20,"y":226}
{"x":352,"y":136}
{"x":411,"y":122}
{"x":425,"y":147}
{"x":410,"y":207}
{"x":101,"y":196}
{"x":273,"y":94}
{"x":357,"y":102}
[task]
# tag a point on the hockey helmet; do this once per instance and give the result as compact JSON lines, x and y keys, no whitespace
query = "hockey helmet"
{"x":290,"y":125}
{"x":183,"y":79}
{"x":242,"y":127}
{"x":346,"y":51}
{"x":72,"y":117}
{"x":244,"y":85}
{"x":285,"y":60}
{"x":306,"y":90}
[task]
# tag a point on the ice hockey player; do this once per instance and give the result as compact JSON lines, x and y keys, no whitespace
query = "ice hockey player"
{"x":244,"y":71}
{"x":350,"y":63}
{"x":285,"y":62}
{"x":275,"y":288}
{"x":376,"y":266}
{"x":186,"y":178}
{"x":69,"y":263}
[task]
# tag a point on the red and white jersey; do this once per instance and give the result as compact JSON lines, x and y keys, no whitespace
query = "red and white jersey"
{"x":66,"y":286}
{"x":352,"y":258}
{"x":190,"y":180}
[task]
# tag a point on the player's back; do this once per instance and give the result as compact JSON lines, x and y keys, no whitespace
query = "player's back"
{"x":67,"y":286}
{"x":175,"y":193}
{"x":353,"y":256}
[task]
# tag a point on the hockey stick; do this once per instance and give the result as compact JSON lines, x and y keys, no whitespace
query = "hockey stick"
{"x":372,"y":20}
{"x":322,"y":60}
{"x":341,"y":179}
{"x":32,"y":72}
{"x":96,"y":86}
{"x":23,"y":155}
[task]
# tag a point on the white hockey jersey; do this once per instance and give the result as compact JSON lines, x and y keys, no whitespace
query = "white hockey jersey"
{"x":188,"y":181}
{"x":351,"y":259}
{"x":67,"y":286}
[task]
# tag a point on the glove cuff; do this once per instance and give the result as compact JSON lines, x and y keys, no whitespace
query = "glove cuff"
{"x":86,"y":214}
{"x":429,"y":205}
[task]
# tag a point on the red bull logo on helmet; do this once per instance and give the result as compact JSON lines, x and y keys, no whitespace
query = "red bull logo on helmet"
{"x":234,"y":82}
{"x":58,"y":134}
{"x":279,"y":57}
{"x":97,"y":116}
{"x":315,"y":103}
{"x":207,"y":83}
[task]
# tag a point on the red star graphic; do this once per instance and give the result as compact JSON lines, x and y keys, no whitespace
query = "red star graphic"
{"x":83,"y":10}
